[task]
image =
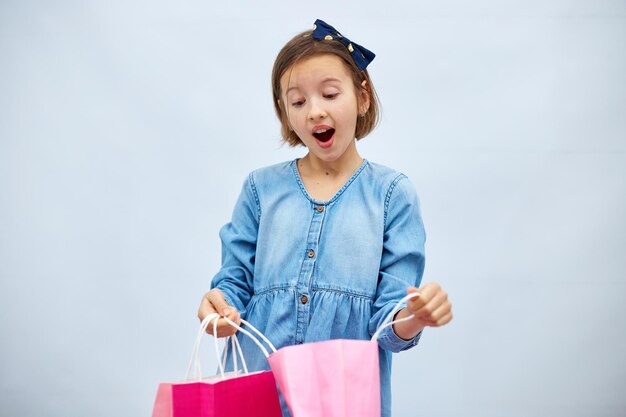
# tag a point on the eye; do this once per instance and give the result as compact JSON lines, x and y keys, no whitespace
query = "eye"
{"x":297,"y":103}
{"x":331,"y":96}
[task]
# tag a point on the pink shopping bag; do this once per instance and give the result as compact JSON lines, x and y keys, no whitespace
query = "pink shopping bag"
{"x":335,"y":378}
{"x":232,"y":394}
{"x":163,"y":402}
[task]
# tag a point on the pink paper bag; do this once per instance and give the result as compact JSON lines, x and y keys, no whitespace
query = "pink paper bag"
{"x":241,"y":396}
{"x":163,"y":402}
{"x":228,"y":394}
{"x":335,"y":378}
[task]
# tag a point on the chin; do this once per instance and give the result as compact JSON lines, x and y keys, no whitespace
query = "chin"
{"x":328,"y":157}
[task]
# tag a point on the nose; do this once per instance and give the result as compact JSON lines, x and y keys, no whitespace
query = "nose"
{"x":316,"y":110}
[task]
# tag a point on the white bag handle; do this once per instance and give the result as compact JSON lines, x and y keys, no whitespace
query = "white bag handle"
{"x":194,"y":363}
{"x":236,"y":348}
{"x":251,"y":336}
{"x":236,"y":351}
{"x":194,"y":371}
{"x":389,"y":319}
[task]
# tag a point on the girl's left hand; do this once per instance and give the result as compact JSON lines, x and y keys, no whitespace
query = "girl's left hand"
{"x":432,"y":307}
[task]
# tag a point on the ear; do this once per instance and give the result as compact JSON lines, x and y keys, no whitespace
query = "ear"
{"x":364,"y":98}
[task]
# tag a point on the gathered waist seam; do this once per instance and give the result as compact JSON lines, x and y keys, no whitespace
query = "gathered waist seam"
{"x":343,"y":292}
{"x":313,"y":288}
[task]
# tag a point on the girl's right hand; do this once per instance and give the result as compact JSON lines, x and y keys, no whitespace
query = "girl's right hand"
{"x":214,"y":302}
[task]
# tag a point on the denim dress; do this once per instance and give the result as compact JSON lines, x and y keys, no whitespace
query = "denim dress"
{"x":303,"y":270}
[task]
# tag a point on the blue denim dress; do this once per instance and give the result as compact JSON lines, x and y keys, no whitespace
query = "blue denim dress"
{"x":303,"y":270}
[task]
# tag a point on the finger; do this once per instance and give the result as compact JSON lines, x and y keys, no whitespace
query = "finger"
{"x":432,"y":305}
{"x":234,"y":316}
{"x":214,"y":302}
{"x":440,"y":311}
{"x":205,"y":308}
{"x":210,"y":327}
{"x":441,"y":321}
{"x":427,"y":292}
{"x":417,"y":301}
{"x":445,"y":319}
{"x":430,"y":290}
{"x":216,"y":297}
{"x":224,"y":329}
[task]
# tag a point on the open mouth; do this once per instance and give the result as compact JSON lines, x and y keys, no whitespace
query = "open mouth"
{"x":324,"y":135}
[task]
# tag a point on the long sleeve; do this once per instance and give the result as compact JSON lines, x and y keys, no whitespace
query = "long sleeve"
{"x":239,"y":239}
{"x":402,"y":262}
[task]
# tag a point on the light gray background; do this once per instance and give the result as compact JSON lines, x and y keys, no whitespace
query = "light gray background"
{"x":127,"y":128}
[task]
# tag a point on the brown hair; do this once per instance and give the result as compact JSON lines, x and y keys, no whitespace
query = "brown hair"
{"x":303,"y":46}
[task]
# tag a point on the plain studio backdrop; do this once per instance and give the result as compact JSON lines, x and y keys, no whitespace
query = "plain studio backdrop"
{"x":128,"y":127}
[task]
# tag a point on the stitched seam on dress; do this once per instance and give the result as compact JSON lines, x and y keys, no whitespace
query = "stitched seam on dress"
{"x":337,"y":194}
{"x":274,"y":289}
{"x":350,"y":293}
{"x":388,"y":197}
{"x":296,"y":174}
{"x":350,"y":181}
{"x":256,"y":197}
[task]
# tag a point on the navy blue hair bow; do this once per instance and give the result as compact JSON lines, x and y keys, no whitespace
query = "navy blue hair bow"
{"x":361,"y":56}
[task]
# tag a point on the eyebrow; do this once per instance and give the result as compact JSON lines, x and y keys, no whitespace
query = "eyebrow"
{"x":324,"y":81}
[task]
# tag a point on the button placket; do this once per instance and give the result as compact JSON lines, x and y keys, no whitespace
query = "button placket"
{"x":306,"y":271}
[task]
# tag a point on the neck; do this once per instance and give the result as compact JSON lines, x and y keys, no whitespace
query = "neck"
{"x":349,"y":161}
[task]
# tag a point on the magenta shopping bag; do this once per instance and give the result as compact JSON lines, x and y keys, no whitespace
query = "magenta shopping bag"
{"x":240,"y":396}
{"x":335,"y":378}
{"x":245,"y":395}
{"x":232,"y":394}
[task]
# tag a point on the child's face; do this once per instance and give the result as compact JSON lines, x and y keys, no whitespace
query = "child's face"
{"x":321,"y":104}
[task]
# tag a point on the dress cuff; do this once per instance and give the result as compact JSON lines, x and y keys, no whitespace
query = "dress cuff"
{"x":389,"y":340}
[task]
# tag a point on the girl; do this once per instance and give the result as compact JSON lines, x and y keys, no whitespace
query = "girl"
{"x":323,"y":247}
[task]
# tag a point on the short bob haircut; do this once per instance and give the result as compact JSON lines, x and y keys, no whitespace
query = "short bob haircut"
{"x":302,"y":47}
